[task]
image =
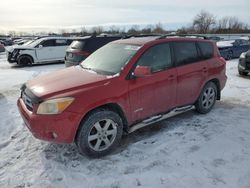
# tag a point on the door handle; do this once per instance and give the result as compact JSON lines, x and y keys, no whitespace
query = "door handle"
{"x":204,"y":69}
{"x":171,"y":77}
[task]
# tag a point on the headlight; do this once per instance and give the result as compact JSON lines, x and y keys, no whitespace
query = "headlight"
{"x":54,"y":106}
{"x":243,"y":55}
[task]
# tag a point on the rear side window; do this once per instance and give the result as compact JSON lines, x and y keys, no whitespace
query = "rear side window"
{"x":207,"y":49}
{"x":157,"y":57}
{"x":185,"y":52}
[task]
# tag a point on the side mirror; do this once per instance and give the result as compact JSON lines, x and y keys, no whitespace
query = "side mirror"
{"x":40,"y":46}
{"x":142,"y":71}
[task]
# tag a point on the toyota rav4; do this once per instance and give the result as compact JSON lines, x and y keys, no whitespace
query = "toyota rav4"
{"x":123,"y":86}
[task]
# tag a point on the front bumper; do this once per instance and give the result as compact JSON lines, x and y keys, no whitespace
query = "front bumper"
{"x":10,"y":57}
{"x":60,"y":128}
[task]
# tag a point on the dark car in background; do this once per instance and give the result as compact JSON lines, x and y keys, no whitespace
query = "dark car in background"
{"x":244,"y":63}
{"x":84,"y":46}
{"x":6,"y":41}
{"x":234,"y":48}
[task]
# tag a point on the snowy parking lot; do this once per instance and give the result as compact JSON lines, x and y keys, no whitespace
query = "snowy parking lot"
{"x":189,"y":150}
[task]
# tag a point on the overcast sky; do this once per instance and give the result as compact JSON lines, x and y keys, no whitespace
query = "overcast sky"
{"x":33,"y":14}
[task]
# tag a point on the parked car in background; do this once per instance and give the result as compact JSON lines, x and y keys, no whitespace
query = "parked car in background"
{"x":234,"y":48}
{"x":6,"y":41}
{"x":215,"y":38}
{"x":244,"y":63}
{"x":83,"y":47}
{"x":123,"y":86}
{"x":2,"y":49}
{"x":43,"y":50}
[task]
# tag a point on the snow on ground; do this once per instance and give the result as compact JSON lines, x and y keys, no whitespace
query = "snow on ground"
{"x":189,"y":150}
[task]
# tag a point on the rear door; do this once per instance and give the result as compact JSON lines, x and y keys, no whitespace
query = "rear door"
{"x":60,"y":49}
{"x":192,"y":71}
{"x":153,"y":94}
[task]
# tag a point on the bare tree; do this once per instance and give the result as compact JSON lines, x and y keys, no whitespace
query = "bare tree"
{"x":134,"y":30}
{"x":97,"y":30}
{"x":203,"y":22}
{"x":231,"y":24}
{"x":113,"y":29}
{"x":83,"y":31}
{"x":159,"y":28}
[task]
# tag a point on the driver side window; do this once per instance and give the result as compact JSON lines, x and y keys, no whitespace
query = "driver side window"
{"x":157,"y":57}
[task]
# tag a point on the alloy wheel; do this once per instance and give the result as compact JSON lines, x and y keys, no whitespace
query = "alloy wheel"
{"x":102,"y":134}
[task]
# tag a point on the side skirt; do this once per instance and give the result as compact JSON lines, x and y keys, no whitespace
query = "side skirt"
{"x":160,"y":117}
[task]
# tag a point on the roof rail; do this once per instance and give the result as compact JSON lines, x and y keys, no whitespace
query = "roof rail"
{"x":183,"y":35}
{"x":141,"y":35}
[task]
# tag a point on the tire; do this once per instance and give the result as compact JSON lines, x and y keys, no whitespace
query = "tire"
{"x":242,"y":73}
{"x":207,"y":98}
{"x":25,"y":60}
{"x":100,"y":133}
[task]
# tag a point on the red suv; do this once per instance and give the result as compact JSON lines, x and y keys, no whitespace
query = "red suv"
{"x":125,"y":85}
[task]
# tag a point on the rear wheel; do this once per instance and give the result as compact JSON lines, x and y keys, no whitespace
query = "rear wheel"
{"x":25,"y":60}
{"x":207,"y":98}
{"x":100,"y":133}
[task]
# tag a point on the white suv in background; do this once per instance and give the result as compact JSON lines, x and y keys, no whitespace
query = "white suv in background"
{"x":43,"y":50}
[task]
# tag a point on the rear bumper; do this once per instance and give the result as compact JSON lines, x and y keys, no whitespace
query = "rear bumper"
{"x":60,"y":128}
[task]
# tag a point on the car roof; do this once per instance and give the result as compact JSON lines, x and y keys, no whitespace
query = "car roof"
{"x":140,"y":41}
{"x":136,"y":40}
{"x":88,"y":37}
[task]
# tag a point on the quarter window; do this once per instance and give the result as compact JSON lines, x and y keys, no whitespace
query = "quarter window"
{"x":206,"y":49}
{"x":61,"y":42}
{"x":185,"y":52}
{"x":157,"y":57}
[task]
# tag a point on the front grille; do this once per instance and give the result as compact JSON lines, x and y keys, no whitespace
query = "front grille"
{"x":27,"y":101}
{"x":248,"y":59}
{"x":248,"y":65}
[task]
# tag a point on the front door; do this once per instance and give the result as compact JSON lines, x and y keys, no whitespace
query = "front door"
{"x":45,"y":51}
{"x":155,"y":93}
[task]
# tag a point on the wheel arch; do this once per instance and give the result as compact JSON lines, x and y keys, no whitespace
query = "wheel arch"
{"x":25,"y":55}
{"x":217,"y":83}
{"x":108,"y":106}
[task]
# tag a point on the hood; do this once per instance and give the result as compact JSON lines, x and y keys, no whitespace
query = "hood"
{"x":18,"y":47}
{"x":64,"y":80}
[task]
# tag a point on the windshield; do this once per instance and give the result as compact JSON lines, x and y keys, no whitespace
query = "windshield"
{"x":28,"y":42}
{"x":110,"y":59}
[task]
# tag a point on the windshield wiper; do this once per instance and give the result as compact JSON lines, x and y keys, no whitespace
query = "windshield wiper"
{"x":87,"y":68}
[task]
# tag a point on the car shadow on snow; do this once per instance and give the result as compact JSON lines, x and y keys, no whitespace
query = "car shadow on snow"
{"x":69,"y":155}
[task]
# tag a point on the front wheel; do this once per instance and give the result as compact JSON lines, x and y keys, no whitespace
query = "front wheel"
{"x":100,"y":133}
{"x":207,"y":98}
{"x":25,"y":60}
